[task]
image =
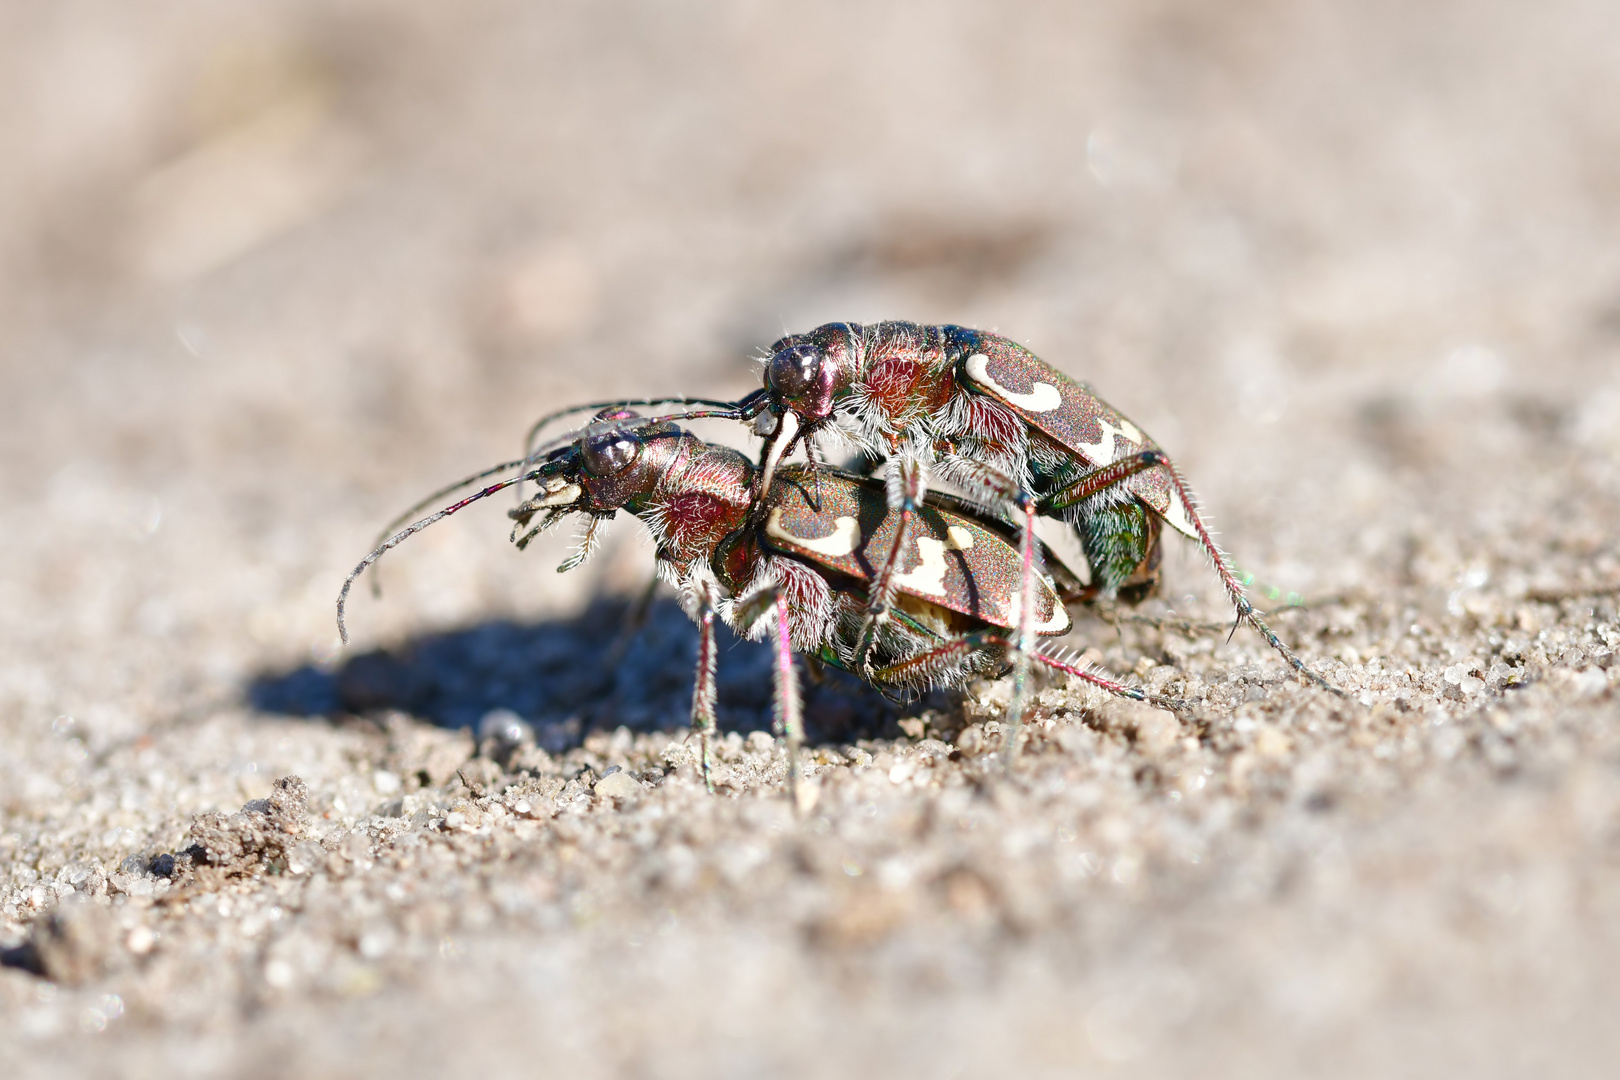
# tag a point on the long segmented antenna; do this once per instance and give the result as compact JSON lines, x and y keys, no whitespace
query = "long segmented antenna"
{"x":532,"y":456}
{"x":733,"y":410}
{"x":712,"y":410}
{"x":449,"y":489}
{"x":411,"y":530}
{"x":599,"y":426}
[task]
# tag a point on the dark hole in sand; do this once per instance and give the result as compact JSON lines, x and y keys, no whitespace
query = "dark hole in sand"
{"x":561,"y":677}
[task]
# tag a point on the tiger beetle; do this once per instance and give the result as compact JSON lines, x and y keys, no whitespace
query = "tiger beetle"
{"x":987,"y":415}
{"x":796,"y":560}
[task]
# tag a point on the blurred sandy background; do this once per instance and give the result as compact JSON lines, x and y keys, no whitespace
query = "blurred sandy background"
{"x":269,"y":272}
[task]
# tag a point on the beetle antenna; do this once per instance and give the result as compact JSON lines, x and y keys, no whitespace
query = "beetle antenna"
{"x":550,"y":418}
{"x":745,"y":408}
{"x":424,"y":503}
{"x":411,"y":530}
{"x":449,"y":489}
{"x":728,"y":411}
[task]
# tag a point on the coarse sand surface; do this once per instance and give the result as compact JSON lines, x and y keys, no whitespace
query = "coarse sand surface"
{"x":270,"y":272}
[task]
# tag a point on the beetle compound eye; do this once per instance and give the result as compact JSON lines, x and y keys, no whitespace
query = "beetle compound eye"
{"x":796,"y":371}
{"x":610,"y":453}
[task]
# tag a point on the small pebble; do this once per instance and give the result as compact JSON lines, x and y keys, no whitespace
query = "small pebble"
{"x":140,"y":940}
{"x":305,"y":857}
{"x":617,"y":785}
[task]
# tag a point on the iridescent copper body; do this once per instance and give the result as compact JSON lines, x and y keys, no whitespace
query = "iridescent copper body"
{"x":796,"y":561}
{"x":988,"y":415}
{"x":818,"y":538}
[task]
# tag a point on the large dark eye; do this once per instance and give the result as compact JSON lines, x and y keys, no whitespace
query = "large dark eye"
{"x":610,"y":453}
{"x":796,"y":371}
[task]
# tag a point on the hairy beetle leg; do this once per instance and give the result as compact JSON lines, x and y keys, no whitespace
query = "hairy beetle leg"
{"x":788,"y":721}
{"x":1234,"y":589}
{"x":1023,"y":633}
{"x":917,"y":667}
{"x":789,"y":709}
{"x":704,"y":692}
{"x":1099,"y":480}
{"x":1118,"y":689}
{"x":1021,"y":644}
{"x":907,"y":484}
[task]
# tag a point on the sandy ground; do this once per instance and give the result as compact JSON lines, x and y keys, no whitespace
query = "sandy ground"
{"x":269,"y":272}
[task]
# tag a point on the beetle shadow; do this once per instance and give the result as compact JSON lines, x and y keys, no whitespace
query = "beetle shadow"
{"x":568,"y":677}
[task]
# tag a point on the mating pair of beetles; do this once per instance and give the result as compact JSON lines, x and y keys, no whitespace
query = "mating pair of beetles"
{"x":872,"y":572}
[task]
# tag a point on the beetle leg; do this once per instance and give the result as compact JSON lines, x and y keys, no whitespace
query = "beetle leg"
{"x":982,"y":482}
{"x":1234,"y":589}
{"x":1023,"y":639}
{"x":1022,"y":642}
{"x":907,"y":484}
{"x":1118,"y":689}
{"x":788,"y":721}
{"x":789,"y":711}
{"x":1099,"y":480}
{"x":703,"y":687}
{"x":925,"y":666}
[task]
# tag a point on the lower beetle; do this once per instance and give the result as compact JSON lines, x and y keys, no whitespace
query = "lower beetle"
{"x":795,"y":562}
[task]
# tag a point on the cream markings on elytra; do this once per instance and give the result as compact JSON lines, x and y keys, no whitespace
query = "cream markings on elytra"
{"x":1057,"y":624}
{"x":1102,"y":451}
{"x":928,"y":576}
{"x":844,"y":539}
{"x":1176,"y":516}
{"x":1042,"y":397}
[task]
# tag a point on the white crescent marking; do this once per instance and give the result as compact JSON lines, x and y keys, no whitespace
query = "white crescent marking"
{"x":1176,"y":515}
{"x":1102,"y":451}
{"x":928,"y":576}
{"x":1042,"y":397}
{"x":1057,"y":624}
{"x":845,"y":538}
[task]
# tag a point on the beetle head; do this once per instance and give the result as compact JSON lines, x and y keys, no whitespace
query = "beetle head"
{"x":614,"y":462}
{"x":806,"y":372}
